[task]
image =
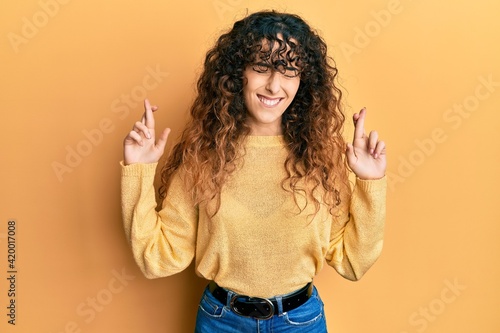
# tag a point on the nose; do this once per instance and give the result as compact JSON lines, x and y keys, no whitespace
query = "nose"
{"x":274,"y":82}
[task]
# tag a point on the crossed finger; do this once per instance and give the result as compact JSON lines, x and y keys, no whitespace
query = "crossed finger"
{"x":359,"y":124}
{"x":148,"y":118}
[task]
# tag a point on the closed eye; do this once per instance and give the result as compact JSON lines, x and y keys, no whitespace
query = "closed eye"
{"x":261,"y":67}
{"x":291,"y":72}
{"x":287,"y":71}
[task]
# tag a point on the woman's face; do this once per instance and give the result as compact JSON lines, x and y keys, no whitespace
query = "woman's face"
{"x":268,"y":91}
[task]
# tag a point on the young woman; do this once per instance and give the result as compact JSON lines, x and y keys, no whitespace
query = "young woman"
{"x":257,"y":188}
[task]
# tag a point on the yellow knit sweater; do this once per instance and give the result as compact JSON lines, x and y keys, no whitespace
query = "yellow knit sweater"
{"x":257,"y":244}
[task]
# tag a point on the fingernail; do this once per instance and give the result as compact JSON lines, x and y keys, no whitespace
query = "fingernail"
{"x":148,"y":135}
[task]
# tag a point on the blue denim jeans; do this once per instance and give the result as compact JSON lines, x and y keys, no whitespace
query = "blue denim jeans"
{"x":215,"y":317}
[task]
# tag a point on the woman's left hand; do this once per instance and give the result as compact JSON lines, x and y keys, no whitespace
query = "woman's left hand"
{"x":366,"y":155}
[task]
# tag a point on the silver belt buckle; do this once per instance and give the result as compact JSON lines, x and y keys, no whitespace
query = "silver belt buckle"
{"x":254,"y":307}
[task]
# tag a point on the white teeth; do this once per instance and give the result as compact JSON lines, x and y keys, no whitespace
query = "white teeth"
{"x":269,"y":102}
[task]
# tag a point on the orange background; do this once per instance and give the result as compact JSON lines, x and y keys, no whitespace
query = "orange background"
{"x":427,"y":71}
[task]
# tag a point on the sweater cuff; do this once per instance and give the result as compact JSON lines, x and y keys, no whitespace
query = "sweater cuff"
{"x":138,"y":169}
{"x":372,"y":185}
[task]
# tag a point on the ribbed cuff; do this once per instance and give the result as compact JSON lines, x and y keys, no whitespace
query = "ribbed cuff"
{"x":372,"y":185}
{"x":139,"y":169}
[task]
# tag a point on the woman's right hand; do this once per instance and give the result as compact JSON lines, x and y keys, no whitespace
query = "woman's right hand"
{"x":140,"y":145}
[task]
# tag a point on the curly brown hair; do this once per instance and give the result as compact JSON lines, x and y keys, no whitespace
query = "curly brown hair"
{"x":312,"y":124}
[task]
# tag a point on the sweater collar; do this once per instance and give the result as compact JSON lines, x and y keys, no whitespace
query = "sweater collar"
{"x":265,"y":141}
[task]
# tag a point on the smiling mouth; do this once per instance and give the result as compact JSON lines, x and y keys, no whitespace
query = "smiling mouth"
{"x":269,"y":101}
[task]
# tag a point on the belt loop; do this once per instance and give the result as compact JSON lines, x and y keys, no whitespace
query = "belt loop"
{"x":230,"y":295}
{"x":279,"y":302}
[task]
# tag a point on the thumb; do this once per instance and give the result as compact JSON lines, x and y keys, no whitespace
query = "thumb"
{"x":162,"y":139}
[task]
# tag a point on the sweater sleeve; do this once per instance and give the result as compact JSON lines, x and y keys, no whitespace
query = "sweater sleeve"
{"x":357,"y":233}
{"x":163,"y":243}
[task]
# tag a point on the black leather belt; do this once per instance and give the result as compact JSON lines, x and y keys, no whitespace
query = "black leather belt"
{"x":261,"y":308}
